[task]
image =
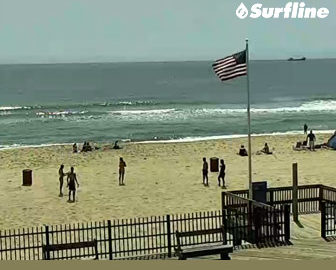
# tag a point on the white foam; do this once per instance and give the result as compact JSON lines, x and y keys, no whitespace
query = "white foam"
{"x":11,"y":108}
{"x":233,"y":136}
{"x":17,"y":146}
{"x":313,"y":106}
{"x":135,"y":112}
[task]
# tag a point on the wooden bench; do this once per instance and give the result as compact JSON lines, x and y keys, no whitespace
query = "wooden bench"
{"x":203,"y":250}
{"x":46,"y":249}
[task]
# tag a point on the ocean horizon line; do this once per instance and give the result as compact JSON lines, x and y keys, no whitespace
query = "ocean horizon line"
{"x":148,"y":62}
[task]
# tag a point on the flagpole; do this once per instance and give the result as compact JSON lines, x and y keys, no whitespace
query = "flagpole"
{"x":249,"y":123}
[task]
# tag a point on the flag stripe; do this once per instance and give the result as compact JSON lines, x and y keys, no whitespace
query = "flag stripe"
{"x":231,"y":66}
{"x":219,"y":70}
{"x":233,"y":76}
{"x":228,"y":72}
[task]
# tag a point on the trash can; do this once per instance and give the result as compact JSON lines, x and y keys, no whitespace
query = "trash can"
{"x":214,"y":164}
{"x":27,"y":176}
{"x":259,"y":190}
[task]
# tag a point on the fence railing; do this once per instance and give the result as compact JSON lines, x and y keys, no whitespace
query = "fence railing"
{"x":117,"y":239}
{"x":309,"y":197}
{"x":254,"y":222}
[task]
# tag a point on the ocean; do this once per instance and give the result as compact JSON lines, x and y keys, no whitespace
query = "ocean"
{"x":169,"y":101}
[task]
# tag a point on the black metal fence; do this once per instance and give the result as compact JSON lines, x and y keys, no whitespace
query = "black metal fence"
{"x":328,"y":213}
{"x":328,"y":220}
{"x":309,"y":197}
{"x":256,"y":223}
{"x":155,"y":236}
{"x":117,"y":239}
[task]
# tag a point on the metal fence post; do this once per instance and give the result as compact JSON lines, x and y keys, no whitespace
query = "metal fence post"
{"x":47,"y":257}
{"x":295,"y":208}
{"x":225,"y":226}
{"x":320,"y":197}
{"x":169,"y":236}
{"x":271,"y":193}
{"x":109,"y":228}
{"x":323,"y":219}
{"x":287,"y":222}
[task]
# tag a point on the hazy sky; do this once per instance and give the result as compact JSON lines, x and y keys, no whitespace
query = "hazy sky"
{"x":44,"y":31}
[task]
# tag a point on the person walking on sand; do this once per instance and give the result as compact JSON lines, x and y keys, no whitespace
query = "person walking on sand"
{"x":205,"y":170}
{"x":305,"y":128}
{"x":312,"y":138}
{"x":122,"y":165}
{"x":72,"y":181}
{"x":61,"y":179}
{"x":221,"y":173}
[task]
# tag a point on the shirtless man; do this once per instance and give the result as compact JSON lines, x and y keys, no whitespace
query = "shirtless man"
{"x":122,"y":165}
{"x":72,"y":181}
{"x":221,"y":173}
{"x":61,"y":178}
{"x":205,"y":170}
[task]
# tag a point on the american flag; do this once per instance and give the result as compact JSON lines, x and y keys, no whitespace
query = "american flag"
{"x":231,"y":67}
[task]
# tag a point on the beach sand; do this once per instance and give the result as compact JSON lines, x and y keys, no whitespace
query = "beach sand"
{"x":161,"y":178}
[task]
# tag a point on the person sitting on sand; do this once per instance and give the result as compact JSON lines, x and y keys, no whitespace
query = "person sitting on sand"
{"x":242,"y":151}
{"x":266,"y":150}
{"x":84,"y":147}
{"x":311,"y":137}
{"x":122,"y":165}
{"x":88,"y":147}
{"x":205,"y":170}
{"x":116,"y":146}
{"x":61,"y":178}
{"x":74,"y":148}
{"x":221,"y":173}
{"x":72,"y":181}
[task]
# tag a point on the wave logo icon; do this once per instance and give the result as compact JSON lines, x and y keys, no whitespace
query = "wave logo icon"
{"x":242,"y":11}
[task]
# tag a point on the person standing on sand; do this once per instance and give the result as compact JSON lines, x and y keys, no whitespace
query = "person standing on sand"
{"x":312,"y":138}
{"x":61,"y":179}
{"x":72,"y":181}
{"x":221,"y":173}
{"x":305,"y":128}
{"x":122,"y":165}
{"x":205,"y":170}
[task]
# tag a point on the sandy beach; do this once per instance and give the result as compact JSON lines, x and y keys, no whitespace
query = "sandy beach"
{"x":160,"y":178}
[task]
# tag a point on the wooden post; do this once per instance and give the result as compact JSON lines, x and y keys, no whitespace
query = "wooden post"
{"x":295,"y":193}
{"x":287,"y":222}
{"x":169,"y":237}
{"x":323,"y":219}
{"x":109,"y":228}
{"x":47,"y":257}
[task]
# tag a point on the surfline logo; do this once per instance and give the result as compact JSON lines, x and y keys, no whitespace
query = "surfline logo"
{"x":292,"y":10}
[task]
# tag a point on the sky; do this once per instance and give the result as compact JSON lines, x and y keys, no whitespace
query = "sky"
{"x":62,"y":31}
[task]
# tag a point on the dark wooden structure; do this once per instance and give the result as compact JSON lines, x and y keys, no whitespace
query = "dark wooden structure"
{"x":203,"y":250}
{"x":27,"y":177}
{"x":47,"y":250}
{"x":259,"y":191}
{"x":214,"y":164}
